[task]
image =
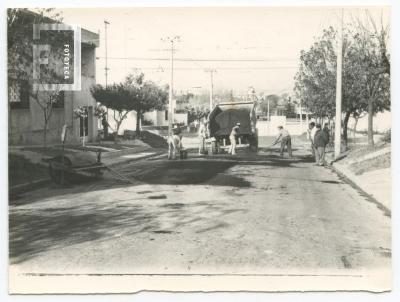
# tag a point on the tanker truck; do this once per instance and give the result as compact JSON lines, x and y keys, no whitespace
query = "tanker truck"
{"x":221,"y":121}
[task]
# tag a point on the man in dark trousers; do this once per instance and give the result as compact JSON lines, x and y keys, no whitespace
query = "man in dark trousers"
{"x":285,"y":139}
{"x":326,"y":129}
{"x":321,"y":139}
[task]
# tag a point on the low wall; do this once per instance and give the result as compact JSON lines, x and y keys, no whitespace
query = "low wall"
{"x":269,"y":128}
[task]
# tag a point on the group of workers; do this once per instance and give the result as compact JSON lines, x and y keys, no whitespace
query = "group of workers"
{"x":319,"y":139}
{"x":318,"y":136}
{"x":203,"y":135}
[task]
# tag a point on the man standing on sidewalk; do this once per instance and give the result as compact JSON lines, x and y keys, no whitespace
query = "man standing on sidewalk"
{"x":285,"y":139}
{"x":311,"y":133}
{"x":321,"y":139}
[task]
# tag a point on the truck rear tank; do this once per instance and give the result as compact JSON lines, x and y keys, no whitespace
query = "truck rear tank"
{"x":223,"y":118}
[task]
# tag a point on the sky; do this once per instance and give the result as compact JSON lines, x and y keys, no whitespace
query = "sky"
{"x":254,"y":46}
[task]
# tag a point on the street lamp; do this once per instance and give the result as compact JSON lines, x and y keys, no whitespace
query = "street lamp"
{"x":105,"y":37}
{"x":106,"y":68}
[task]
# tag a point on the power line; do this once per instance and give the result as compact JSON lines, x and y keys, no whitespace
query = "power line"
{"x":203,"y":59}
{"x":223,"y":68}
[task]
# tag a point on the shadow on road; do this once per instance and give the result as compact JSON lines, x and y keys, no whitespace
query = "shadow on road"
{"x":195,"y":170}
{"x":33,"y":233}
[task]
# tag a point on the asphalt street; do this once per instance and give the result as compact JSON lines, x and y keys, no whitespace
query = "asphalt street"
{"x":244,"y":214}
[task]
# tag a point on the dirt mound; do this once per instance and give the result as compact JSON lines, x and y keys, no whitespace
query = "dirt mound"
{"x":153,"y":140}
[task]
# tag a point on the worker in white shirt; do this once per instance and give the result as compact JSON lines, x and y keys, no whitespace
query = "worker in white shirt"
{"x":203,"y":132}
{"x":175,"y":143}
{"x":232,"y":137}
{"x":285,"y":139}
{"x":311,"y":134}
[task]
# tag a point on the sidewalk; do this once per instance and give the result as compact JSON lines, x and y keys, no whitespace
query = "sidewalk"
{"x":126,"y":157}
{"x":110,"y":158}
{"x":375,"y":181}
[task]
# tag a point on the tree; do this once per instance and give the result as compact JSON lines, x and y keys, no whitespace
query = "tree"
{"x":196,"y":113}
{"x":117,"y":98}
{"x":374,"y":65}
{"x":46,"y":101}
{"x":20,"y":36}
{"x":147,"y":95}
{"x":133,"y":94}
{"x":316,"y":78}
{"x":182,"y":101}
{"x":271,"y":101}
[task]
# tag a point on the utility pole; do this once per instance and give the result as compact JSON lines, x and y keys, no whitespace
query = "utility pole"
{"x":338,"y":118}
{"x":171,"y":40}
{"x":106,"y":68}
{"x":211,"y":71}
{"x":105,"y":36}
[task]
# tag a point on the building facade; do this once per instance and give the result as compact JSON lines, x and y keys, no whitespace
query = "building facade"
{"x":26,"y":116}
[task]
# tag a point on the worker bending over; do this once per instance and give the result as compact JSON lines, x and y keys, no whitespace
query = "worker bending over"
{"x":175,"y":143}
{"x":285,"y":139}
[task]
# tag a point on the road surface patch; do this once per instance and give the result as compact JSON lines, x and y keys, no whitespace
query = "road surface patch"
{"x":163,"y":196}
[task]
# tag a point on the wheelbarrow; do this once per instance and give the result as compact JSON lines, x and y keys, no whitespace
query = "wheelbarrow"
{"x":67,"y":168}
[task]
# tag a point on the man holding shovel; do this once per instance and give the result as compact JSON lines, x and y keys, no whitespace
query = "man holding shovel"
{"x":285,"y":139}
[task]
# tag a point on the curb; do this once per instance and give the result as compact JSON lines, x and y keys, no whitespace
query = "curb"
{"x":129,"y":160}
{"x":351,"y":178}
{"x":117,"y":153}
{"x":29,"y":186}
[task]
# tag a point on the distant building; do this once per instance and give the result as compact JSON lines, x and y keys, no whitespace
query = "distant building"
{"x":26,"y":122}
{"x":160,"y":118}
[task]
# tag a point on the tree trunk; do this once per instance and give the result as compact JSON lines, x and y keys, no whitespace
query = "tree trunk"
{"x":371,"y":121}
{"x":44,"y":138}
{"x":84,"y":134}
{"x":9,"y":123}
{"x":345,"y":126}
{"x":117,"y":130}
{"x":45,"y":135}
{"x":138,"y":118}
{"x":355,"y":129}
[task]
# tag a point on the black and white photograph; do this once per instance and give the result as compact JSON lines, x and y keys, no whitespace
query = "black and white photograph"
{"x":199,"y":148}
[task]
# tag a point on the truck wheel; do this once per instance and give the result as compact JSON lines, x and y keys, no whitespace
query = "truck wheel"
{"x":254,"y":144}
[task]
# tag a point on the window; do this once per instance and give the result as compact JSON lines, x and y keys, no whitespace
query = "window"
{"x":166,"y":115}
{"x":18,"y":94}
{"x":84,"y":124}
